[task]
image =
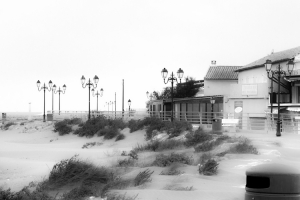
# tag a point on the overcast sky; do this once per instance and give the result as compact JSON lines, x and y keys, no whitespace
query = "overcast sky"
{"x":130,"y":40}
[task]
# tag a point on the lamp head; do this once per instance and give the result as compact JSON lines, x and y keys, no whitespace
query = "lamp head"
{"x":96,"y":79}
{"x":82,"y":80}
{"x":54,"y":87}
{"x":147,"y":93}
{"x":64,"y":87}
{"x":50,"y":84}
{"x":101,"y":92}
{"x":290,"y":67}
{"x":268,"y":65}
{"x":164,"y":73}
{"x":129,"y":102}
{"x":38,"y":83}
{"x":180,"y":73}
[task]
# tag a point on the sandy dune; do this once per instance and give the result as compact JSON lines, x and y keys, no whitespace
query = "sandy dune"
{"x":28,"y":153}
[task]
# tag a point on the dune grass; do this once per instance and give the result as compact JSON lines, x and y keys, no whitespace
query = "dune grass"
{"x":162,"y":160}
{"x":157,"y":145}
{"x":8,"y":124}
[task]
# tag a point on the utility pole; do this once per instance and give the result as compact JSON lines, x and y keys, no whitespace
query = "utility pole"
{"x":123,"y":99}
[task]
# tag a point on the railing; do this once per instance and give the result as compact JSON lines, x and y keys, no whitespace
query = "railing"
{"x":247,"y":121}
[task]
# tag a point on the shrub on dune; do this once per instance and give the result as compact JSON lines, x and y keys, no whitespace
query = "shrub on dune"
{"x":7,"y":125}
{"x":117,"y":123}
{"x":62,"y":127}
{"x":120,"y":136}
{"x":197,"y":137}
{"x":208,"y":165}
{"x":166,"y":160}
{"x":157,"y":145}
{"x":111,"y":133}
{"x":244,"y":146}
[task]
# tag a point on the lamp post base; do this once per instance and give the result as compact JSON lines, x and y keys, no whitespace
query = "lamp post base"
{"x":278,"y":129}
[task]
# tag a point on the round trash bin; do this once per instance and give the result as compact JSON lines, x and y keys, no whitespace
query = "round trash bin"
{"x":217,"y":125}
{"x":272,"y":181}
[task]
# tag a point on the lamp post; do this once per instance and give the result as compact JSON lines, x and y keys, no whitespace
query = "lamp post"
{"x":129,"y":104}
{"x":150,"y":98}
{"x":112,"y":105}
{"x":38,"y":83}
{"x":212,"y":102}
{"x":172,"y":78}
{"x":90,"y":84}
{"x":280,"y":73}
{"x":59,"y":91}
{"x":107,"y":103}
{"x":97,"y":94}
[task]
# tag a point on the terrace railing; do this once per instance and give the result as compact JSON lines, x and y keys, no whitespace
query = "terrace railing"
{"x":246,"y":121}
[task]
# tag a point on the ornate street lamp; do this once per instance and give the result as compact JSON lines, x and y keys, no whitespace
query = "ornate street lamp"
{"x":129,"y":104}
{"x":38,"y":83}
{"x":212,"y":102}
{"x":112,"y":105}
{"x":90,"y":84}
{"x":150,"y":97}
{"x":97,"y":94}
{"x":59,"y":91}
{"x":280,"y":73}
{"x":172,"y":78}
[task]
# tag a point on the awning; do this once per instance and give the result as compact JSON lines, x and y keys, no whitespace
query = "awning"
{"x":295,"y":109}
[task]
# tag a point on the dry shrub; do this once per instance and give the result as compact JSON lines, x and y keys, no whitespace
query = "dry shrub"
{"x":156,"y":145}
{"x":7,"y":125}
{"x":244,"y":146}
{"x":199,"y":136}
{"x":120,"y":136}
{"x":166,"y":160}
{"x":208,"y":165}
{"x":143,"y":177}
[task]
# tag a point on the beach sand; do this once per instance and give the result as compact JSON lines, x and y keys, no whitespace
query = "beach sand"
{"x":28,"y":152}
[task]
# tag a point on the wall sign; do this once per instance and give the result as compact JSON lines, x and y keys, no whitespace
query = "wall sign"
{"x":249,"y":89}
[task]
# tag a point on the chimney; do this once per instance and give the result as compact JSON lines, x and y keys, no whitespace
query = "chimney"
{"x":213,"y":63}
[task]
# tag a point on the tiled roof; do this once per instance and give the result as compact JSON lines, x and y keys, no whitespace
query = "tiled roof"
{"x":280,"y":56}
{"x":222,"y":73}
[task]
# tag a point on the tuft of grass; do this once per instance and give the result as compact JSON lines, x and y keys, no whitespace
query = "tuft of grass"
{"x":173,"y":170}
{"x":116,"y":196}
{"x":78,"y":193}
{"x":127,"y":162}
{"x":157,"y":145}
{"x":63,"y":127}
{"x":73,"y":170}
{"x":121,"y":136}
{"x":166,"y":160}
{"x":154,"y":124}
{"x":91,"y":144}
{"x":205,"y":146}
{"x":178,"y":188}
{"x":111,"y":133}
{"x":244,"y":146}
{"x":7,"y":125}
{"x":143,"y":177}
{"x":117,"y":123}
{"x":199,"y":136}
{"x":209,"y":167}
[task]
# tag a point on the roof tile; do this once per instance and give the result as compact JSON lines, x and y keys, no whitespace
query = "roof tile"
{"x":222,"y":73}
{"x":274,"y":57}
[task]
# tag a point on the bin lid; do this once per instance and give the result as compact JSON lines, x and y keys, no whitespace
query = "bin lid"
{"x":273,"y":178}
